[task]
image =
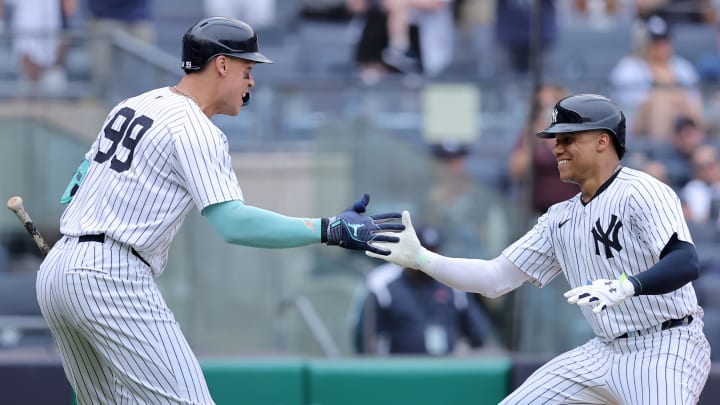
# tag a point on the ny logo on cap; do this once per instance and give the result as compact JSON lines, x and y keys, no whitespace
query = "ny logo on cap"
{"x":187,"y":64}
{"x":554,"y":115}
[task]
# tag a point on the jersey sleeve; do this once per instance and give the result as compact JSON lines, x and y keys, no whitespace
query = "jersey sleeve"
{"x":203,"y":163}
{"x":657,"y":214}
{"x":534,"y":253}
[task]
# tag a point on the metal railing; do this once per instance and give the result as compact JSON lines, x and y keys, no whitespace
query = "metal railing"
{"x":311,"y":320}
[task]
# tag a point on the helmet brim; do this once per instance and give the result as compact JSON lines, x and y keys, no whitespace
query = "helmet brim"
{"x":554,"y":129}
{"x":253,"y":56}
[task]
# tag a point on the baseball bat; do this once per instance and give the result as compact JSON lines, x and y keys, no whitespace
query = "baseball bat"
{"x":15,"y":204}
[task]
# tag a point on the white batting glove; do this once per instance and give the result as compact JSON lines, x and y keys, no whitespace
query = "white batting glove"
{"x":602,"y":293}
{"x":408,"y":252}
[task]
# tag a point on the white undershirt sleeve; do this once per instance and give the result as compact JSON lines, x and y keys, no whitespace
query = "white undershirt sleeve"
{"x":491,"y":278}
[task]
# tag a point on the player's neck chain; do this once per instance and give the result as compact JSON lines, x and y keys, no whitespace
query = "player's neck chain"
{"x":177,"y":90}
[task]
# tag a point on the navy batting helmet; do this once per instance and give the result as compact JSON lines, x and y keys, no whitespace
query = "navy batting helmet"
{"x":586,"y":112}
{"x":215,"y":36}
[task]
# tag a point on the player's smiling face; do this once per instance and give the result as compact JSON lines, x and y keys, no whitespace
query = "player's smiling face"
{"x":576,"y":153}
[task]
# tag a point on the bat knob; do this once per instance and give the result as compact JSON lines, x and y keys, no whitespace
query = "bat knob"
{"x":15,"y":203}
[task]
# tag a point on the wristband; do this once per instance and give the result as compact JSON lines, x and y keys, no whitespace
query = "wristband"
{"x":324,"y":222}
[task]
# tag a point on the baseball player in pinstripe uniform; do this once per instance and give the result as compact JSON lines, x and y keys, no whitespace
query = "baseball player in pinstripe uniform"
{"x":624,"y":247}
{"x":157,"y":156}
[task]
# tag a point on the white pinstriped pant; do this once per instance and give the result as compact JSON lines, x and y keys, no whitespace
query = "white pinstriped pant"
{"x":118,"y":340}
{"x":665,"y":367}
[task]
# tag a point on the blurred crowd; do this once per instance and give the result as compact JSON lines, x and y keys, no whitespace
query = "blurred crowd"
{"x":671,"y":100}
{"x":390,"y":36}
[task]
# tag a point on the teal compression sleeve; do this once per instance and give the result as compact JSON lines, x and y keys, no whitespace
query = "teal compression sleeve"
{"x":75,"y":182}
{"x":246,"y":225}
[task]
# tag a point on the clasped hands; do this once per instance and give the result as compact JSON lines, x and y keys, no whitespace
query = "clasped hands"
{"x":407,"y":252}
{"x":351,"y":230}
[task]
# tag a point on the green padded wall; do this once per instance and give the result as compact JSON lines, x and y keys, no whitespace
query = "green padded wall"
{"x":408,"y":381}
{"x":390,"y":381}
{"x":256,"y":382}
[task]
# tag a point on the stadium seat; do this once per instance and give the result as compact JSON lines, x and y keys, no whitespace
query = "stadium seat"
{"x":587,"y":53}
{"x":692,"y":40}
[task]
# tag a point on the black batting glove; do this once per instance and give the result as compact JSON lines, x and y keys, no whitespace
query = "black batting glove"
{"x":350,"y":230}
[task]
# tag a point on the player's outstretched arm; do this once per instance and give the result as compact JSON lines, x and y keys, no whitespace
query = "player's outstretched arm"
{"x":491,"y":278}
{"x":242,"y":224}
{"x":351,"y":230}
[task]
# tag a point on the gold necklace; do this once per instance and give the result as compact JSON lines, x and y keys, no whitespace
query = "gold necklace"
{"x":185,"y":94}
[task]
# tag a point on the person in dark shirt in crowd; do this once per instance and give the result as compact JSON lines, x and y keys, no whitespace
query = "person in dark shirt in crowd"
{"x":532,"y":161}
{"x":687,"y":136}
{"x":407,"y":312}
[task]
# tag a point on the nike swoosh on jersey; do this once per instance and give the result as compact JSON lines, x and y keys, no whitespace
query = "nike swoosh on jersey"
{"x":560,"y":225}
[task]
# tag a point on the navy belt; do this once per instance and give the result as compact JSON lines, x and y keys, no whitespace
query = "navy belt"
{"x":669,"y":324}
{"x":100,"y":238}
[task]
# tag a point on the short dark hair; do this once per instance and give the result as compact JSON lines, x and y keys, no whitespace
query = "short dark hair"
{"x":682,"y":122}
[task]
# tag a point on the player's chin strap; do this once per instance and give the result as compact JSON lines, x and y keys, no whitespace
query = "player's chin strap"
{"x":247,"y":99}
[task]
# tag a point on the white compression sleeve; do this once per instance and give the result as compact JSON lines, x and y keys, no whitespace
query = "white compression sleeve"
{"x":491,"y":278}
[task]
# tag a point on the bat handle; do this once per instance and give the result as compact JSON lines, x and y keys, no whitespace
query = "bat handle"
{"x":37,"y":237}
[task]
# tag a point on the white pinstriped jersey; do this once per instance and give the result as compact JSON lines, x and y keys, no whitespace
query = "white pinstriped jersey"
{"x":622,"y":229}
{"x":156,"y":155}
